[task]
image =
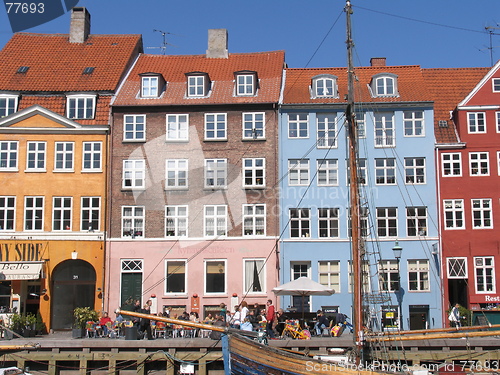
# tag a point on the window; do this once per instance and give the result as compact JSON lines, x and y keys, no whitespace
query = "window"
{"x":329,"y":274}
{"x":177,"y":128}
{"x":176,"y":277}
{"x":33,"y":213}
{"x":387,"y":222}
{"x":255,"y":275}
{"x":254,"y":172}
{"x":457,"y":268}
{"x":92,"y":157}
{"x":254,"y":219}
{"x":384,"y":84}
{"x":246,"y":84}
{"x":254,"y":125}
{"x":415,"y":170}
{"x":385,"y":171}
{"x":134,"y":128}
{"x":363,"y":222}
{"x":361,"y":124}
{"x":176,"y":174}
{"x":298,"y":125}
{"x":62,"y":209}
{"x":215,"y":173}
{"x":418,"y":275}
{"x":91,"y":212}
{"x":328,"y":172}
{"x":215,"y":220}
{"x":300,"y":269}
{"x":362,"y":169}
{"x":326,"y":130}
{"x":388,"y":275}
{"x":81,"y":107}
{"x":454,"y":213}
{"x":365,"y":269}
{"x":497,"y":117}
{"x":416,"y":221}
{"x":215,"y":126}
{"x":131,"y":281}
{"x":451,"y":164}
{"x":324,"y":86}
{"x":481,"y":214}
{"x":479,"y":164}
{"x":384,"y":130}
{"x":198,"y":85}
{"x":134,"y":174}
{"x":7,"y":213}
{"x":132,"y":221}
{"x":476,"y":122}
{"x":8,"y":155}
{"x":300,"y":222}
{"x":149,"y":87}
{"x":496,"y":84}
{"x":484,"y":270}
{"x":176,"y":221}
{"x":413,"y":123}
{"x":35,"y":158}
{"x":498,"y":162}
{"x":215,"y":276}
{"x":64,"y":156}
{"x":298,"y":172}
{"x":328,"y":222}
{"x":8,"y":105}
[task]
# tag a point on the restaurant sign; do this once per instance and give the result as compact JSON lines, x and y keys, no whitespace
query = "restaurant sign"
{"x":20,"y":270}
{"x":484,"y":298}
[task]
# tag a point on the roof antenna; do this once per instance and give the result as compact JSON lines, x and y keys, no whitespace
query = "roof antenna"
{"x":164,"y":43}
{"x":490,"y":31}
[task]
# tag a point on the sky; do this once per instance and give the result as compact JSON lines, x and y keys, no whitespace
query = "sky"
{"x":432,"y":34}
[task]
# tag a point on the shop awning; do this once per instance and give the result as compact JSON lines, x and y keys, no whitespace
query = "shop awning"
{"x":20,"y":270}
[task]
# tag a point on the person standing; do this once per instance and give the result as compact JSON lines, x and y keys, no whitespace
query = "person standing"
{"x":455,"y":317}
{"x":270,"y":315}
{"x":145,"y":324}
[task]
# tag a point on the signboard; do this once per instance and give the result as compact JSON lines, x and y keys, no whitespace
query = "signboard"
{"x":20,"y":270}
{"x":485,"y":298}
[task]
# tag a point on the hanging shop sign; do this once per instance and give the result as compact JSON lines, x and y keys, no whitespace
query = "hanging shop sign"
{"x":20,"y":270}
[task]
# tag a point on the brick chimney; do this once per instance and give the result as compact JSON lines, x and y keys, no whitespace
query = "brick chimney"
{"x":377,"y":61}
{"x":217,"y":44}
{"x":79,"y":28}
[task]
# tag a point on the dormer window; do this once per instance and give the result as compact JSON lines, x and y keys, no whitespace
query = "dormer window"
{"x":324,"y":86}
{"x":198,"y":84}
{"x":8,"y":105}
{"x":81,"y":106}
{"x":384,"y":84}
{"x":151,"y":85}
{"x":246,"y":83}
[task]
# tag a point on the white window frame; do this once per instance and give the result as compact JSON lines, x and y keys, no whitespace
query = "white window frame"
{"x":150,"y":86}
{"x":134,"y":128}
{"x":479,"y":163}
{"x":300,"y":222}
{"x":385,"y":169}
{"x":254,"y":125}
{"x":298,"y":125}
{"x":365,"y":269}
{"x":362,"y":172}
{"x":298,"y":172}
{"x":416,"y":221}
{"x":389,"y":275}
{"x":7,"y":213}
{"x":64,"y":159}
{"x":177,"y":128}
{"x":35,"y":156}
{"x":415,"y":171}
{"x":385,"y":130}
{"x":215,"y":173}
{"x":76,"y":104}
{"x":10,"y":105}
{"x":254,"y":172}
{"x":484,"y":275}
{"x":421,"y":269}
{"x":34,"y":207}
{"x":249,"y":265}
{"x":453,"y":210}
{"x":326,"y":130}
{"x":495,"y":84}
{"x":451,"y":162}
{"x":176,"y":174}
{"x":196,"y":86}
{"x":217,"y":214}
{"x":176,"y":221}
{"x":476,"y":122}
{"x":329,"y":274}
{"x":245,"y":84}
{"x":328,"y":172}
{"x":385,"y":85}
{"x":387,"y":222}
{"x":9,"y":155}
{"x":134,"y":170}
{"x":413,"y":124}
{"x":63,"y":208}
{"x":215,"y":126}
{"x":482,"y":213}
{"x":223,"y":263}
{"x":498,"y":162}
{"x":133,"y":221}
{"x":254,"y":220}
{"x":456,"y":268}
{"x":497,"y":118}
{"x":91,"y":212}
{"x":92,"y":156}
{"x":324,"y":86}
{"x":185,"y":276}
{"x":363,"y":222}
{"x":328,"y":222}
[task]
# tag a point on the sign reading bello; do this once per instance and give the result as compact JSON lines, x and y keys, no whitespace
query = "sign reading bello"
{"x":21,"y":261}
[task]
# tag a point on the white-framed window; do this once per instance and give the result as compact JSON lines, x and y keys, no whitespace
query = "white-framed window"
{"x":362,"y":172}
{"x":298,"y":172}
{"x":177,"y":127}
{"x":33,"y":213}
{"x":134,"y":128}
{"x":215,"y":220}
{"x":149,"y":87}
{"x":384,"y":84}
{"x":64,"y":156}
{"x":7,"y":213}
{"x":388,"y":275}
{"x":254,"y":276}
{"x":495,"y":82}
{"x":415,"y":170}
{"x":215,"y":126}
{"x":387,"y":221}
{"x":329,"y":274}
{"x":326,"y":130}
{"x":416,"y":221}
{"x":298,"y":125}
{"x":81,"y":106}
{"x":498,"y":162}
{"x":484,"y":271}
{"x":365,"y":269}
{"x":176,"y":173}
{"x":62,"y":209}
{"x":300,"y":222}
{"x":451,"y":163}
{"x":328,"y":222}
{"x":479,"y":164}
{"x":198,"y":85}
{"x":36,"y":153}
{"x":481,"y":214}
{"x":328,"y":172}
{"x":363,"y":222}
{"x":476,"y":122}
{"x":456,"y":268}
{"x":454,"y":214}
{"x":8,"y":105}
{"x":91,"y":213}
{"x":413,"y":123}
{"x":134,"y":174}
{"x":497,"y":121}
{"x":418,"y":275}
{"x":254,"y":172}
{"x":254,"y":125}
{"x":133,"y":221}
{"x":385,"y":171}
{"x":215,"y":276}
{"x":215,"y":173}
{"x":246,"y":84}
{"x":384,"y":130}
{"x":254,"y":220}
{"x":8,"y":155}
{"x":92,"y":157}
{"x":324,"y":86}
{"x":176,"y":276}
{"x":300,"y":269}
{"x":176,"y":221}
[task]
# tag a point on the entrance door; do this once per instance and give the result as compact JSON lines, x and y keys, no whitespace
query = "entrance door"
{"x":457,"y":292}
{"x":419,"y":316}
{"x":73,"y":286}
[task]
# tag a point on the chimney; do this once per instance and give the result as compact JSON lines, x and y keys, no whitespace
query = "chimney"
{"x":377,"y":61}
{"x":79,"y":28}
{"x":217,"y":44}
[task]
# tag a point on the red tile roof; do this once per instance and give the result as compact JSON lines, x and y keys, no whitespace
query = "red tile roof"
{"x":268,"y":65}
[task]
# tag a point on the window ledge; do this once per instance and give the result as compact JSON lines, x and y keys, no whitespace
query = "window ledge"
{"x":63,"y":171}
{"x":254,"y":139}
{"x":35,"y":171}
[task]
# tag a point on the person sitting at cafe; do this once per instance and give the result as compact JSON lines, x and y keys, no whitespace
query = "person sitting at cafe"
{"x":321,"y":322}
{"x":282,"y":318}
{"x":103,"y":323}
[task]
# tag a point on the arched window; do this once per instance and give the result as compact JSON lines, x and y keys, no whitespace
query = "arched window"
{"x":384,"y":84}
{"x":324,"y":86}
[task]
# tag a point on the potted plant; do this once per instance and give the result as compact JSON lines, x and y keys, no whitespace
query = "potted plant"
{"x":83,"y":315}
{"x":29,"y":329}
{"x":17,"y":324}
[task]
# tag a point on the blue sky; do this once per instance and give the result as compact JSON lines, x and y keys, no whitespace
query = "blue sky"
{"x":432,"y":34}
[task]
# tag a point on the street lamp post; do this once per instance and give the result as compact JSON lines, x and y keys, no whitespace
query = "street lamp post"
{"x":398,"y":250}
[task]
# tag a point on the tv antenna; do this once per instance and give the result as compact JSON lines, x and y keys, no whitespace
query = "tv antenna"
{"x":164,"y":43}
{"x":490,"y":30}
